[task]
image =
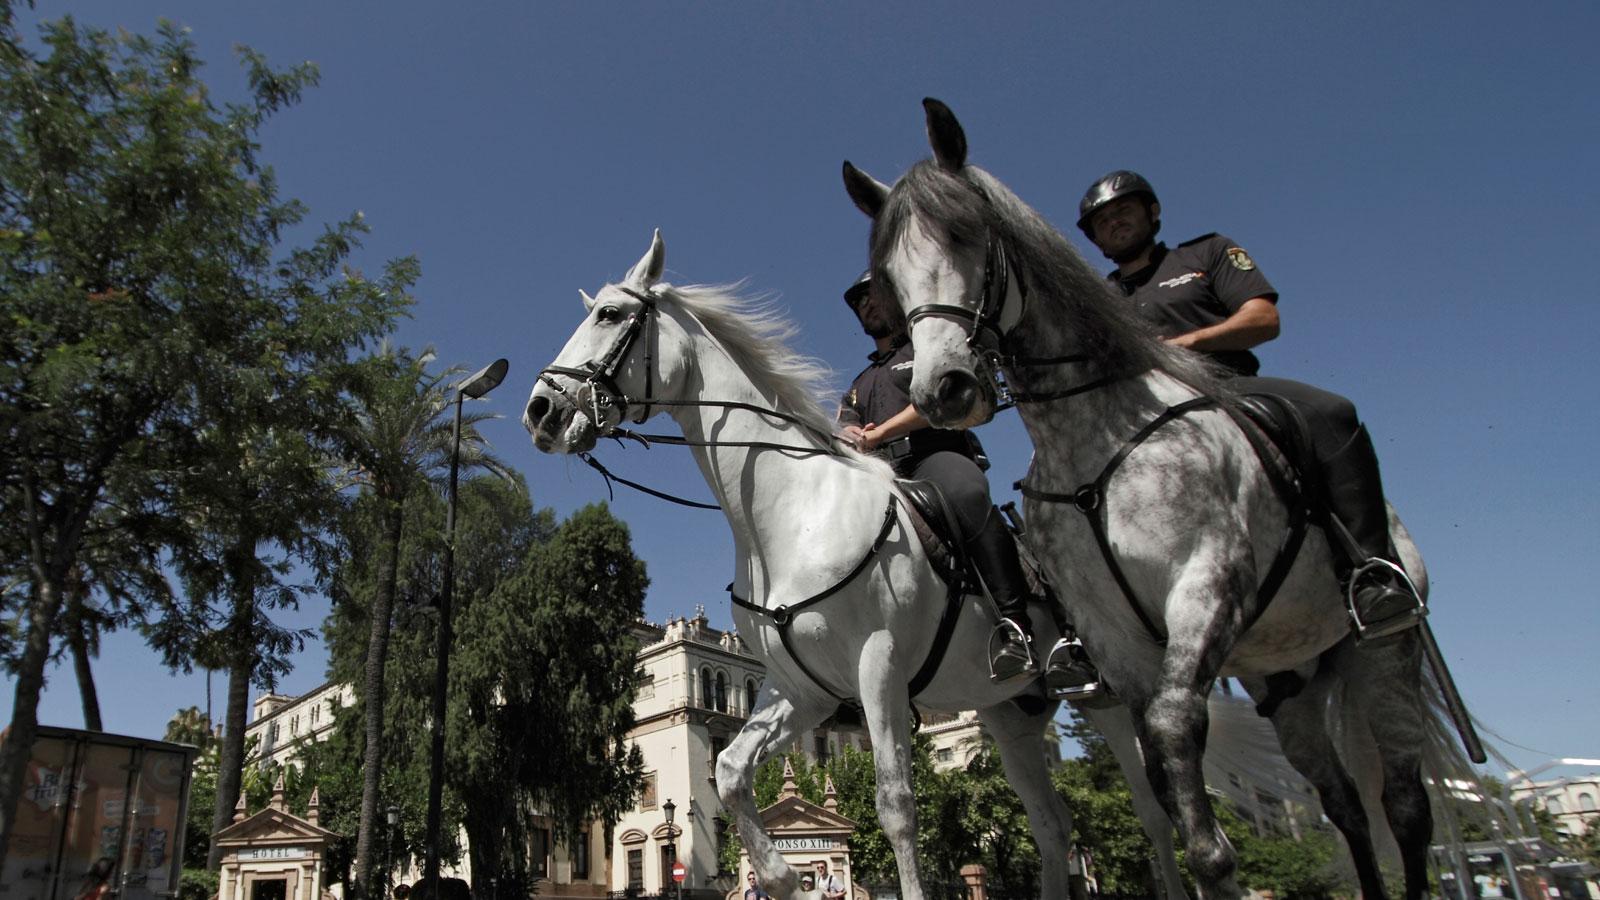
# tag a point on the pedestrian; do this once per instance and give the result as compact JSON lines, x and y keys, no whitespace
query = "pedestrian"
{"x":753,"y":890}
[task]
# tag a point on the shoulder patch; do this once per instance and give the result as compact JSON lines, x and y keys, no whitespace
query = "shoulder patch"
{"x":1204,"y":237}
{"x":1240,"y":259}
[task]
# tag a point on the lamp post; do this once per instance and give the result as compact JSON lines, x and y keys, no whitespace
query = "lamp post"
{"x":672,"y":849}
{"x":479,"y":383}
{"x":392,"y":816}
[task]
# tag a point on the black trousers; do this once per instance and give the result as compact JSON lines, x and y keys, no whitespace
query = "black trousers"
{"x":1331,"y":418}
{"x":964,"y":485}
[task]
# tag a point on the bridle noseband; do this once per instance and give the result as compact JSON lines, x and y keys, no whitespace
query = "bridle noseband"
{"x":984,"y":336}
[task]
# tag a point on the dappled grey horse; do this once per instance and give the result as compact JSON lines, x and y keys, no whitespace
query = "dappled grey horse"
{"x":1154,"y":507}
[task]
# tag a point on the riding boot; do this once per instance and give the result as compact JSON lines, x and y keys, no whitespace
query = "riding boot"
{"x":993,"y":552}
{"x":1380,"y":597}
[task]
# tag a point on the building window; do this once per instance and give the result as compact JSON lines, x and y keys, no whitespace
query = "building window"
{"x":636,"y":870}
{"x":749,"y":695}
{"x":722,"y":692}
{"x":667,"y":852}
{"x":645,"y":685}
{"x":821,"y":743}
{"x":647,"y":796}
{"x":1586,"y":802}
{"x":314,"y":710}
{"x":539,"y":852}
{"x":718,"y":744}
{"x":272,"y":732}
{"x":294,"y":726}
{"x":580,"y":857}
{"x":705,"y":688}
{"x":944,"y":754}
{"x":1553,"y":804}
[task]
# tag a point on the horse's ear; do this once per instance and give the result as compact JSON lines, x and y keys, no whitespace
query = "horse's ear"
{"x":945,"y":134}
{"x":588,"y":301}
{"x":647,"y":271}
{"x":868,"y":193}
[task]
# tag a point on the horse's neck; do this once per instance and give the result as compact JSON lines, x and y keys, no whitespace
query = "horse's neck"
{"x":1089,"y":427}
{"x":752,"y":485}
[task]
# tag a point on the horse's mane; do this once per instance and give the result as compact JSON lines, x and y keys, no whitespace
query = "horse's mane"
{"x":755,"y":335}
{"x":963,"y":208}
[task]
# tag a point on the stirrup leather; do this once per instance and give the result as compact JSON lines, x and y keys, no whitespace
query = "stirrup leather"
{"x":1068,"y":673}
{"x":1006,"y":663}
{"x":1394,"y":624}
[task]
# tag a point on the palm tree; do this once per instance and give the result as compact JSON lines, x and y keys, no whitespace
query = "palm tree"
{"x":400,"y":443}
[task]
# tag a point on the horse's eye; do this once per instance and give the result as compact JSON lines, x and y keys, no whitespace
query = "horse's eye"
{"x":609,"y":314}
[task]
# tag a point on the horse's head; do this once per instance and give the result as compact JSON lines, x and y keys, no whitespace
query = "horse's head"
{"x":622,"y":357}
{"x":935,"y":248}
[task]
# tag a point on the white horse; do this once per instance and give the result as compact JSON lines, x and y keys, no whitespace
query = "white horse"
{"x":1149,"y":506}
{"x":833,"y":591}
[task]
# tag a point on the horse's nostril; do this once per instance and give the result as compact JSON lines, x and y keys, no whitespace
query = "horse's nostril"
{"x":954,"y":387}
{"x":537,"y":408}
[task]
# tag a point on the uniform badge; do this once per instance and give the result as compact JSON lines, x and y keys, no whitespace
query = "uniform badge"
{"x":1240,"y":259}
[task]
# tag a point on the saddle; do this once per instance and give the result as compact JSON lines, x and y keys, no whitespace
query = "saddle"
{"x":937,"y":528}
{"x":1287,"y":452}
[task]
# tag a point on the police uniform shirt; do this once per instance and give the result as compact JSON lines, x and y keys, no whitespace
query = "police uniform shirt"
{"x":882,"y":388}
{"x":1195,"y":285}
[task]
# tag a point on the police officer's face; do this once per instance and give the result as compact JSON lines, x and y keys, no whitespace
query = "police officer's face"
{"x":1123,"y":227}
{"x":879,"y":317}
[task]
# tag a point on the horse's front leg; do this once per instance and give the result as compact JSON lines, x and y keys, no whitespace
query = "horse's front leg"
{"x":776,"y":720}
{"x":1203,"y":620}
{"x":1115,"y":723}
{"x":1020,"y":738}
{"x":887,"y":704}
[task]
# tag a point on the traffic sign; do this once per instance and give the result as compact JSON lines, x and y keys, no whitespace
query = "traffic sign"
{"x":679,"y":872}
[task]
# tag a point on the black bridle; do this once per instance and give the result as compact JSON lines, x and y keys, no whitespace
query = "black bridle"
{"x":991,"y":342}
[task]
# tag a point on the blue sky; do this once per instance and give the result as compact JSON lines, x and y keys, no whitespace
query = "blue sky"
{"x":1416,"y":179}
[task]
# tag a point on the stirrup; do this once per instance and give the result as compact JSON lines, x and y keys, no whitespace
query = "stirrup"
{"x":1391,"y":624}
{"x":1010,"y":653}
{"x":1068,"y":673}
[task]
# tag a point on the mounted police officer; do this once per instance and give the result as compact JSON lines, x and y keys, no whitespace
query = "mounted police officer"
{"x":876,"y":415}
{"x":1208,"y":295}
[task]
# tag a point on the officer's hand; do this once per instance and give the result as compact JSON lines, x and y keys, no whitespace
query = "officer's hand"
{"x":852,"y":435}
{"x":871,"y":438}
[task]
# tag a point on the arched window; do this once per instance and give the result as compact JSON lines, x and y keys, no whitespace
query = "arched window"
{"x":1586,"y":802}
{"x":705,"y":687}
{"x":1553,"y":804}
{"x":749,"y":696}
{"x":722,"y":692}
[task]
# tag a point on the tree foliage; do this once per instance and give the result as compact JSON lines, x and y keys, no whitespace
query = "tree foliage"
{"x":161,"y":353}
{"x":541,"y":673}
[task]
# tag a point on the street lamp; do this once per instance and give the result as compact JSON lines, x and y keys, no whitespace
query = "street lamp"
{"x":672,"y":848}
{"x":479,"y":383}
{"x":392,"y":816}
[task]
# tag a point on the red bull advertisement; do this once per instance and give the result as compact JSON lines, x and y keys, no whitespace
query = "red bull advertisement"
{"x":101,"y":817}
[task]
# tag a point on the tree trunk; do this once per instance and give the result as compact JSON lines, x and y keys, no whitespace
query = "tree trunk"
{"x":377,"y":659}
{"x":78,"y":641}
{"x":17,"y":747}
{"x":230,"y":766}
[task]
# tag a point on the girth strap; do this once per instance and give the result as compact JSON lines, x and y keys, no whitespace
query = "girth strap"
{"x":1090,"y":500}
{"x":783,"y":615}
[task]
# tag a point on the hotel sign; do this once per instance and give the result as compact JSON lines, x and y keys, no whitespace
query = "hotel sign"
{"x":260,"y":853}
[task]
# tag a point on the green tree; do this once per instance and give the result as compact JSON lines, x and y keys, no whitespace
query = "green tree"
{"x":541,"y":676}
{"x":141,"y":294}
{"x":1103,"y":820}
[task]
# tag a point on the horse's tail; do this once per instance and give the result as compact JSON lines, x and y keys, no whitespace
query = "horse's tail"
{"x":1461,"y":797}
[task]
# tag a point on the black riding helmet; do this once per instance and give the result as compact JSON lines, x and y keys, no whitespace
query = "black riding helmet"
{"x":857,"y":291}
{"x":1109,"y":187}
